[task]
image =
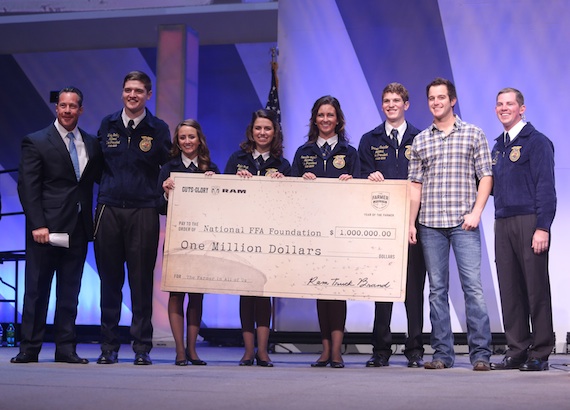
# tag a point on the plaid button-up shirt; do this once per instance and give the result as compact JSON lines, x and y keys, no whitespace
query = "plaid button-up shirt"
{"x":448,"y":167}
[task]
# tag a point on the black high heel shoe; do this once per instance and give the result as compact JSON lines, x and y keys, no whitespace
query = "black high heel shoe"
{"x":337,"y":365}
{"x":320,"y":364}
{"x":263,"y":363}
{"x":246,"y":362}
{"x":182,"y":362}
{"x":195,"y":362}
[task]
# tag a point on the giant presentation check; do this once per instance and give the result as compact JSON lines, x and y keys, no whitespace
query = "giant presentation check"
{"x":288,"y":237}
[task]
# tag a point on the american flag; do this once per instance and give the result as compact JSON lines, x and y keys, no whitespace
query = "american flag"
{"x":273,"y":98}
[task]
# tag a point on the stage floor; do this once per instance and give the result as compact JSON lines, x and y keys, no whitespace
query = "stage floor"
{"x":291,"y":384}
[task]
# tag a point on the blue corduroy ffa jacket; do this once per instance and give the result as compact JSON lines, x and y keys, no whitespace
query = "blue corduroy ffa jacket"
{"x":523,"y":174}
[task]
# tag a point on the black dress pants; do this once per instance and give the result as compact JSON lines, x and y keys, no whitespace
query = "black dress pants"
{"x":126,"y":236}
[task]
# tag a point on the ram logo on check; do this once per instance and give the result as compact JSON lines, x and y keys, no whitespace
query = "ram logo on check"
{"x":288,"y":237}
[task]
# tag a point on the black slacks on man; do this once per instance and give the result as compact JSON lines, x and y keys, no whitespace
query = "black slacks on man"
{"x":126,"y":235}
{"x":381,"y":333}
{"x":524,"y":285}
{"x":42,"y":261}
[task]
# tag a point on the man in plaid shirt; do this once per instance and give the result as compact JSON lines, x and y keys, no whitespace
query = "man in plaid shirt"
{"x":451,"y":175}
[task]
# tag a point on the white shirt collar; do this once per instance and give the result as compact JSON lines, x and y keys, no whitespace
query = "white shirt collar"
{"x":401,"y":130}
{"x":332,"y":141}
{"x":515,"y":131}
{"x":137,"y":120}
{"x":63,"y":132}
{"x":187,"y":161}
{"x":265,"y":155}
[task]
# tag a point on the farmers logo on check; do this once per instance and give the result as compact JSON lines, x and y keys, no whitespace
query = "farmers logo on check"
{"x":380,"y":200}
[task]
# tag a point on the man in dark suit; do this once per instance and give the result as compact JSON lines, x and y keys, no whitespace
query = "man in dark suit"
{"x":58,"y":168}
{"x":384,"y":154}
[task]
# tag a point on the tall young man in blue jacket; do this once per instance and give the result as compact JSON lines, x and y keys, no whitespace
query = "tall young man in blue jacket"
{"x":525,"y":204}
{"x":135,"y":144}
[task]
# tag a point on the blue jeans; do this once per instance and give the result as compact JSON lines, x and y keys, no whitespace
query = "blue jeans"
{"x":467,"y":249}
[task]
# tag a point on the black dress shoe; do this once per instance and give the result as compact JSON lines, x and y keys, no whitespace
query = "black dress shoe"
{"x":337,"y":365}
{"x":320,"y":363}
{"x":142,"y":359}
{"x":377,"y":360}
{"x":23,"y":357}
{"x":108,"y":357}
{"x":195,"y":362}
{"x":508,"y":363}
{"x":415,"y":361}
{"x":534,"y":365}
{"x":70,"y":358}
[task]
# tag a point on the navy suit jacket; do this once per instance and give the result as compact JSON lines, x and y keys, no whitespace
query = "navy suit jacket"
{"x":47,"y":185}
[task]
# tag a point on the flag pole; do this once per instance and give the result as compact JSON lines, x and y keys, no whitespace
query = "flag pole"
{"x":273,"y":98}
{"x":274,"y":65}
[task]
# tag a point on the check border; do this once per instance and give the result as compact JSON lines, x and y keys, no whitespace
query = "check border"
{"x":288,"y":237}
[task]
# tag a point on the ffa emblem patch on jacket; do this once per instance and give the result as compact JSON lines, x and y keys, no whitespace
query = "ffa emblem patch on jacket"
{"x":146,"y":144}
{"x":515,"y":153}
{"x":339,"y":162}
